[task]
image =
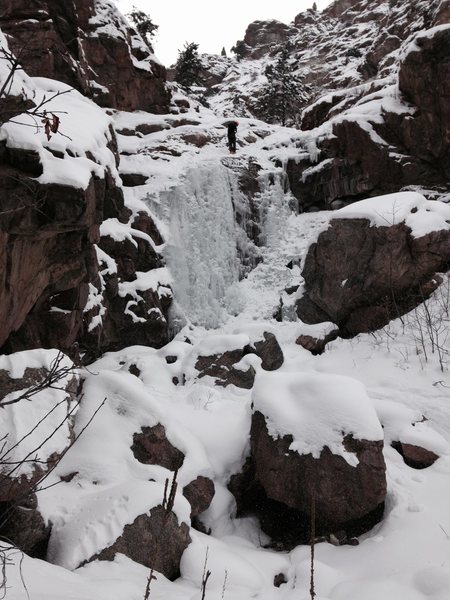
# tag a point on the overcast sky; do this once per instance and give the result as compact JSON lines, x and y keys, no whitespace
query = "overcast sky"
{"x":209,"y":23}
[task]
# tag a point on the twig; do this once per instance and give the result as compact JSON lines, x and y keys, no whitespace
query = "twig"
{"x":313,"y":535}
{"x":206,"y":575}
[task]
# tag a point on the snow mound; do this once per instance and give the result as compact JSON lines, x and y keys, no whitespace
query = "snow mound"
{"x":317,"y":410}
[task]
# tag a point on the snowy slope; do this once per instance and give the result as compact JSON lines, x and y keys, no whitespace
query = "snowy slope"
{"x":405,"y":557}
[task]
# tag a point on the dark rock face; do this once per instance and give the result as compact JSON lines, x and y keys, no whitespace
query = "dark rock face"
{"x":415,"y":456}
{"x":95,"y":52}
{"x":156,"y":541}
{"x":46,"y":254}
{"x":263,"y":36}
{"x":270,"y":352}
{"x":386,"y":272}
{"x":152,"y":447}
{"x":424,"y":79}
{"x":147,"y":321}
{"x":343,"y":494}
{"x":22,"y":524}
{"x":199,"y":494}
{"x":48,"y":262}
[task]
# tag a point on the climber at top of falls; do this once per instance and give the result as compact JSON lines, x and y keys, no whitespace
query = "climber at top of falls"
{"x":232,"y":128}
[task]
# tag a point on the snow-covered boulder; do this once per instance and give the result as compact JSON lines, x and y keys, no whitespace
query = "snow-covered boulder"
{"x":228,"y":360}
{"x":130,"y":518}
{"x":318,"y":437}
{"x":377,"y":260}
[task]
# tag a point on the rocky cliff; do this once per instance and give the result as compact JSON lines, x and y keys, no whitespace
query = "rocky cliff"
{"x":63,"y":281}
{"x":91,"y":47}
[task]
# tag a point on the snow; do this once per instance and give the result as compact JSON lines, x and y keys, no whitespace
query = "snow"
{"x":317,"y":410}
{"x":105,"y":511}
{"x":156,"y":280}
{"x":120,"y":232}
{"x":419,"y":214}
{"x":84,"y":128}
{"x":45,"y":417}
{"x":216,"y":344}
{"x":402,"y":558}
{"x":391,"y":385}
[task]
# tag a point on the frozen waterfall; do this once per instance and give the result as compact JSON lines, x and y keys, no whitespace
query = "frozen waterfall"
{"x":204,"y":236}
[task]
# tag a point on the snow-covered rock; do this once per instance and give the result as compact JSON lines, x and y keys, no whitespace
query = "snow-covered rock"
{"x":91,"y":47}
{"x":316,"y":445}
{"x":398,"y":241}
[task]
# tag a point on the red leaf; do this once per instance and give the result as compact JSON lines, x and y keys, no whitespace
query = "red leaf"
{"x":55,"y":123}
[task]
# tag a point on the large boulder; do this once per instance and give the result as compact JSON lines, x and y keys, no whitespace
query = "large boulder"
{"x":377,"y":260}
{"x":315,"y":439}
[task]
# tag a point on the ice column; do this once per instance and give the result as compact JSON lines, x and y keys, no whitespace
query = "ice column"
{"x":201,"y":252}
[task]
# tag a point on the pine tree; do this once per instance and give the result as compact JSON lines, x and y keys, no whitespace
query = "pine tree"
{"x":239,"y":50}
{"x":314,"y":6}
{"x":284,"y":92}
{"x":224,"y":52}
{"x":144,"y":26}
{"x":188,"y":66}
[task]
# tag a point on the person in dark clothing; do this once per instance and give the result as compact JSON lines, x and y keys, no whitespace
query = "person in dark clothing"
{"x":232,"y":128}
